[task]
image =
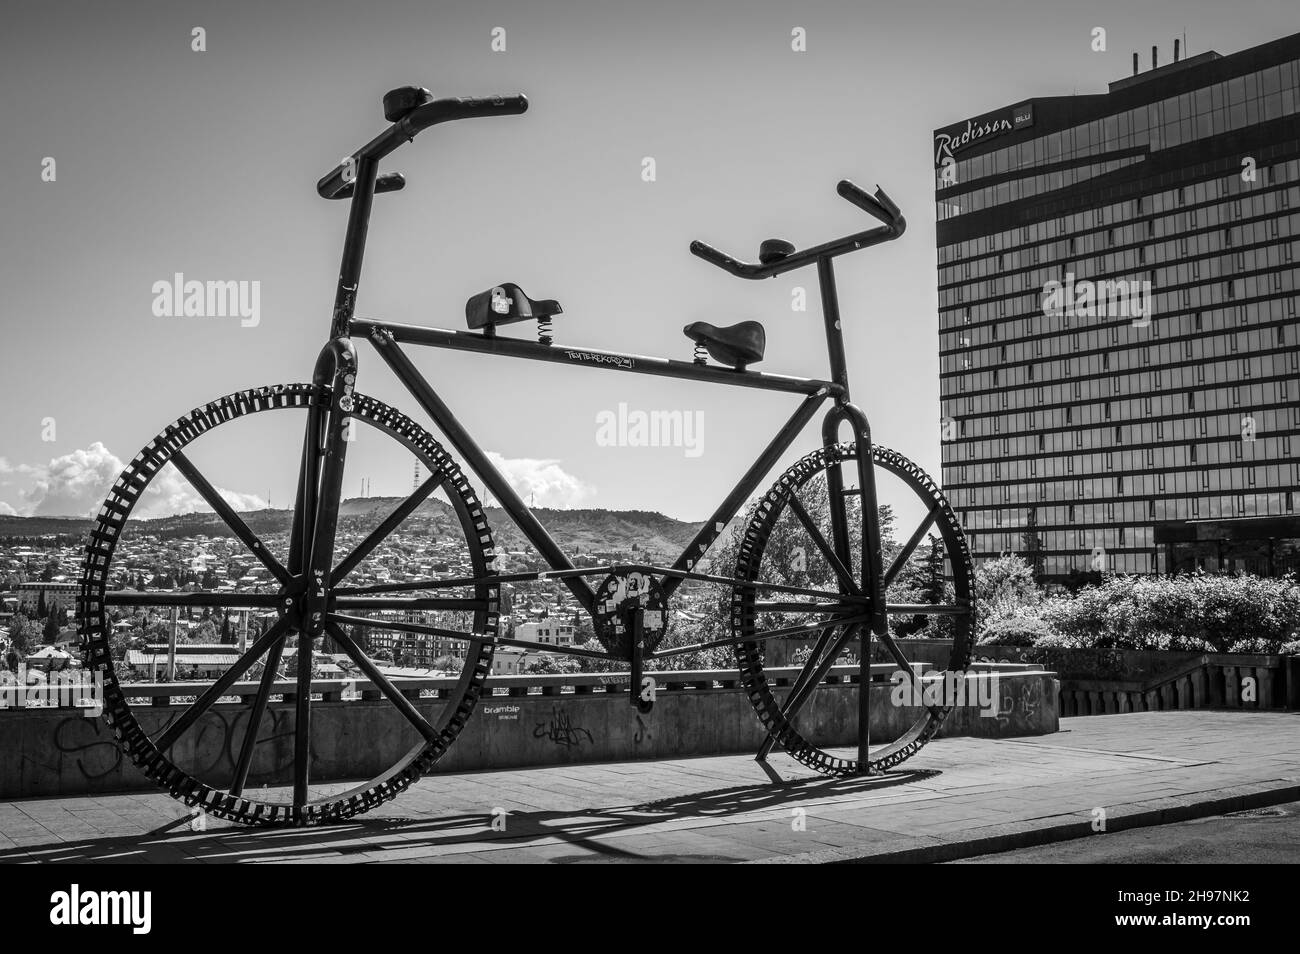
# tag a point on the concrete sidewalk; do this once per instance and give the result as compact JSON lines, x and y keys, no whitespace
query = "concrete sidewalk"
{"x":958,"y":798}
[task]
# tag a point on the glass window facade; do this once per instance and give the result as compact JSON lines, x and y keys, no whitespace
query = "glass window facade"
{"x":1118,"y":338}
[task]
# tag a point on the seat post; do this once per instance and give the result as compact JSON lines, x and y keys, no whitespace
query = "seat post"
{"x":831,"y":318}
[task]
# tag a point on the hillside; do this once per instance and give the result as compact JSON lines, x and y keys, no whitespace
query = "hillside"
{"x":577,"y":531}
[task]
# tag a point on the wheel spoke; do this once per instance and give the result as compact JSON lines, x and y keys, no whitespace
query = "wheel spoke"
{"x":745,"y":584}
{"x":390,"y":523}
{"x":763,"y":606}
{"x":404,"y":627}
{"x":394,"y":695}
{"x":229,"y":517}
{"x":759,"y":636}
{"x":927,"y":609}
{"x":557,"y":650}
{"x":302,"y":727}
{"x":892,"y":646}
{"x":910,"y":547}
{"x":409,"y":603}
{"x":837,"y":565}
{"x":800,"y":694}
{"x":218,"y":689}
{"x":808,"y":668}
{"x":430,"y":584}
{"x":255,"y":718}
{"x":182,"y":600}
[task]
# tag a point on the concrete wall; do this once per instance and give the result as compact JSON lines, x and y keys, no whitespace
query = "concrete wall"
{"x":60,"y":752}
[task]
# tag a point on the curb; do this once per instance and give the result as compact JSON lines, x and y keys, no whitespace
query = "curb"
{"x":1034,"y":832}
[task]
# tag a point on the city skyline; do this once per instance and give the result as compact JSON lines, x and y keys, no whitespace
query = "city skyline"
{"x":156,"y":182}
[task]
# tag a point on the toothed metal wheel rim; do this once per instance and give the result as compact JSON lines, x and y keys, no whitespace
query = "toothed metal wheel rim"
{"x":457,"y":704}
{"x":750,"y":651}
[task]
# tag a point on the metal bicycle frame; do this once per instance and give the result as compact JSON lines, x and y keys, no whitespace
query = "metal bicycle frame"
{"x":325,"y":443}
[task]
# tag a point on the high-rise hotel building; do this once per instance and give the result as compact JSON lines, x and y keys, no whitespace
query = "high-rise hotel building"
{"x":1119,"y":344}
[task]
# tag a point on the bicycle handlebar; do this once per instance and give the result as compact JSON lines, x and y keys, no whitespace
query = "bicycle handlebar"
{"x":880,"y":206}
{"x":337,"y":183}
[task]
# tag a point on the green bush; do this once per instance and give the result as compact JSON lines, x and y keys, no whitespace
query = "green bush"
{"x":1196,"y":613}
{"x":1020,"y":630}
{"x":1005,"y":587}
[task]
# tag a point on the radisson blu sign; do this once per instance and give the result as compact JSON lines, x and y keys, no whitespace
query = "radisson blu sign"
{"x":955,"y":139}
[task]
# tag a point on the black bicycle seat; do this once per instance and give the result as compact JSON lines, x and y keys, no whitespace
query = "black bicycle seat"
{"x":734,"y":345}
{"x":506,"y":303}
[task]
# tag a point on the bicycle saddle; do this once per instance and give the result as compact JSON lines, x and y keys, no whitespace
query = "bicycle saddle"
{"x":734,"y":345}
{"x":506,"y":303}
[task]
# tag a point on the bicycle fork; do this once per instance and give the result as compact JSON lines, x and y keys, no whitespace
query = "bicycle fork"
{"x":870,"y":573}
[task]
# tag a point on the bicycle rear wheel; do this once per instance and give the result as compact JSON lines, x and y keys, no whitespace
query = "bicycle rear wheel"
{"x":787,"y":542}
{"x":289,"y":720}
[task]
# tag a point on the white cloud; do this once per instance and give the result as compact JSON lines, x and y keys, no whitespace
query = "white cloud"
{"x":6,"y":510}
{"x":77,"y":483}
{"x":542,"y":483}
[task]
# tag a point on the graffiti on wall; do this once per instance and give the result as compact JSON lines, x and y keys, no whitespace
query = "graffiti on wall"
{"x":561,"y":731}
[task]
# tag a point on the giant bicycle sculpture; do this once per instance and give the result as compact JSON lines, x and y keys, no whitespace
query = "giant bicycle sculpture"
{"x":828,"y":499}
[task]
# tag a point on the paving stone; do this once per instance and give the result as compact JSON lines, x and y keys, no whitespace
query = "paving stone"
{"x":956,"y":797}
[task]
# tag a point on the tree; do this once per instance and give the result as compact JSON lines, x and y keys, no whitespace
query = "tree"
{"x":119,"y":642}
{"x":1004,"y":586}
{"x":447,"y":664}
{"x":549,"y":664}
{"x":909,"y":587}
{"x":227,"y":634}
{"x":52,"y":627}
{"x":20,"y":640}
{"x":42,"y":610}
{"x":1032,"y":544}
{"x":936,"y":586}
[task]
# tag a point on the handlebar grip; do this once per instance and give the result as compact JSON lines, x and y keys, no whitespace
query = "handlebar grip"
{"x":464,"y":107}
{"x":879,"y":205}
{"x":493,"y":105}
{"x":713,"y":256}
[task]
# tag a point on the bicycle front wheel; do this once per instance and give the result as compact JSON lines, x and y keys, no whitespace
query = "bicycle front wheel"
{"x":268,"y":725}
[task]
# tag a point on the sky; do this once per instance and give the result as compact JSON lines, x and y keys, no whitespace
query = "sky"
{"x":203,"y":162}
